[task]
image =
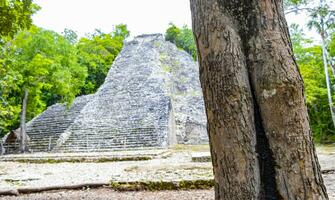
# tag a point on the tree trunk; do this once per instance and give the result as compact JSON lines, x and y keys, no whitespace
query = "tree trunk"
{"x":331,"y":64}
{"x":23,"y":129}
{"x":258,"y":123}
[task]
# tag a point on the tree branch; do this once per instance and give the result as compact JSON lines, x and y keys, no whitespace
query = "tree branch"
{"x":296,"y":10}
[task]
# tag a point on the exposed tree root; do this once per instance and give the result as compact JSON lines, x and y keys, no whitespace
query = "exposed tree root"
{"x":120,"y":186}
{"x":27,"y":190}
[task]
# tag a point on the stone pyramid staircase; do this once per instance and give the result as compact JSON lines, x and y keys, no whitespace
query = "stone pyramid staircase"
{"x":151,"y":98}
{"x":131,"y":109}
{"x":45,"y":129}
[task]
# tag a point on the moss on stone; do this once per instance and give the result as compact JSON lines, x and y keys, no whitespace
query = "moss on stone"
{"x":162,"y":185}
{"x":197,"y":184}
{"x":115,"y":159}
{"x":79,"y":160}
{"x":132,"y":169}
{"x":49,"y":160}
{"x":166,"y":68}
{"x":195,"y":148}
{"x":13,"y":182}
{"x":157,"y":44}
{"x":163,"y":56}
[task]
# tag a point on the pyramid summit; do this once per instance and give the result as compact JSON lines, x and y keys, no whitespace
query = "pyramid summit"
{"x":151,"y":97}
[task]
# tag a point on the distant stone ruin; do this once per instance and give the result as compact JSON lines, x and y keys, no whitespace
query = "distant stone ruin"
{"x":151,"y":98}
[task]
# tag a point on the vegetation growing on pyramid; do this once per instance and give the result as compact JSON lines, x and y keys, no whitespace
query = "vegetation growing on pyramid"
{"x":97,"y":53}
{"x":182,"y":38}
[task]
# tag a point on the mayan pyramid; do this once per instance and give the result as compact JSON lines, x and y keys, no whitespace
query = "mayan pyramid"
{"x":151,"y":98}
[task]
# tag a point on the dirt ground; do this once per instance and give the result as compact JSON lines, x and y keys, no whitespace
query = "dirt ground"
{"x":104,"y":194}
{"x":177,"y":166}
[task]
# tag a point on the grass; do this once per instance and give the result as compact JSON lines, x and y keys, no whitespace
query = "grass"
{"x":162,"y":185}
{"x":13,"y":182}
{"x":132,"y":169}
{"x":166,"y":168}
{"x":193,"y":148}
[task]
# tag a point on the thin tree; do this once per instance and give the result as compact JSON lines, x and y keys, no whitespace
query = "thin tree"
{"x":258,"y":124}
{"x":323,"y":20}
{"x":23,"y":128}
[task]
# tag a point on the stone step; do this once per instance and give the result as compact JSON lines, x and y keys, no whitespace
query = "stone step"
{"x":108,"y":142}
{"x":106,"y":149}
{"x":103,"y":150}
{"x":84,"y":149}
{"x":84,"y":137}
{"x":78,"y":149}
{"x":47,"y":138}
{"x":95,"y":142}
{"x":106,"y":136}
{"x":129,"y":143}
{"x":111,"y":146}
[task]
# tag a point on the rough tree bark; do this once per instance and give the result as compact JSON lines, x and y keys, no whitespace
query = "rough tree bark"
{"x":258,"y":124}
{"x":23,"y":130}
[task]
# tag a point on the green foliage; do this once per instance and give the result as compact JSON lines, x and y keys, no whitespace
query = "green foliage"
{"x":97,"y":54}
{"x":44,"y":63}
{"x":331,"y":46}
{"x":172,"y":33}
{"x":322,"y":19}
{"x":309,"y":58}
{"x":183,"y":38}
{"x":9,"y":103}
{"x":288,"y":3}
{"x":15,"y":15}
{"x":311,"y":61}
{"x":53,"y":68}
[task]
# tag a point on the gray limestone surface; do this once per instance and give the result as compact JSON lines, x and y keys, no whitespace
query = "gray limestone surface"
{"x":176,"y":166}
{"x":151,"y":98}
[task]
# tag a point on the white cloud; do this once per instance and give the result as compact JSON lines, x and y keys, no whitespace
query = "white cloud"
{"x":145,"y":16}
{"x":83,"y":16}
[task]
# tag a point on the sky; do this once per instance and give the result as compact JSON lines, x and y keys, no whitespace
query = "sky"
{"x":84,"y":16}
{"x":141,"y":17}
